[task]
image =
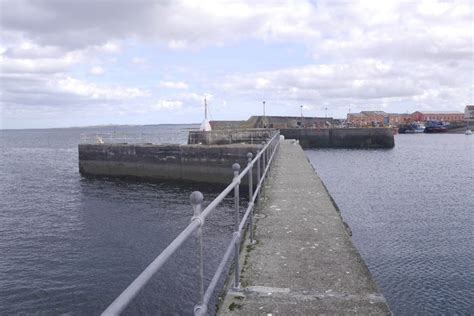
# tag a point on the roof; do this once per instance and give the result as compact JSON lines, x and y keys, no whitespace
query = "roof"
{"x":439,"y":112}
{"x":470,"y":107}
{"x":374,"y":113}
{"x":398,"y":114}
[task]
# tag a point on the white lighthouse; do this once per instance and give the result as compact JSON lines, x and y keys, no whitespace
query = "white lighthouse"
{"x":205,"y":126}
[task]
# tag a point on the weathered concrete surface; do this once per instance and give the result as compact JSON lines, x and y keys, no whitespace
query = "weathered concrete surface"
{"x":304,"y":262}
{"x":275,"y":122}
{"x":210,"y":164}
{"x":342,"y":137}
{"x":235,"y":136}
{"x":226,"y":125}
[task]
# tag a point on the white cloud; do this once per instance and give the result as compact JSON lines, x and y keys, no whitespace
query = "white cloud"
{"x":109,"y":47}
{"x":173,"y":85}
{"x":97,"y":71}
{"x":138,"y":61}
{"x":196,"y":98}
{"x":365,"y":53}
{"x":93,"y":91}
{"x":37,"y":65}
{"x":167,"y":105}
{"x":364,"y":81}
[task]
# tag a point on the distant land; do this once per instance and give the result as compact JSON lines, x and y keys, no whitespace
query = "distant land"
{"x":96,"y":126}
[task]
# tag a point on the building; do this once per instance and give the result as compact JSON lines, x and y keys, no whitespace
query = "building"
{"x":422,"y":116}
{"x":376,"y":118}
{"x":469,"y":113}
{"x":368,"y":118}
{"x":395,"y":119}
{"x":380,"y":118}
{"x":354,"y":119}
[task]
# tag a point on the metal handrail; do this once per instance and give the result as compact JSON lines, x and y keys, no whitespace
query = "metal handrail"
{"x":263,"y":160}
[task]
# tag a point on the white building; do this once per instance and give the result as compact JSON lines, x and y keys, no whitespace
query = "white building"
{"x":469,"y":113}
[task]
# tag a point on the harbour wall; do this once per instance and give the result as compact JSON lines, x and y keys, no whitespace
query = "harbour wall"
{"x":226,"y":125}
{"x":341,"y":137}
{"x":234,"y":136}
{"x":210,"y":163}
{"x":275,"y":122}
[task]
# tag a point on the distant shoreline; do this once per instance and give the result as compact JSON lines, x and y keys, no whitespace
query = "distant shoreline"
{"x":93,"y":126}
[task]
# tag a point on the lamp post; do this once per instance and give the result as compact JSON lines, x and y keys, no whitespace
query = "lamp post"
{"x":263,"y":108}
{"x":326,"y":112}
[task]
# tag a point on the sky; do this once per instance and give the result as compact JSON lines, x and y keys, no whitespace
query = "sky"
{"x":99,"y":62}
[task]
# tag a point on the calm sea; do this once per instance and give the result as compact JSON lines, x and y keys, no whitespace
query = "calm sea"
{"x":69,"y":244}
{"x":411,"y":211}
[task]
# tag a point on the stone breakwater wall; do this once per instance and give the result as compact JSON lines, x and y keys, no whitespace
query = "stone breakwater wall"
{"x":341,"y":137}
{"x":236,"y":136}
{"x":226,"y":125}
{"x":209,"y":164}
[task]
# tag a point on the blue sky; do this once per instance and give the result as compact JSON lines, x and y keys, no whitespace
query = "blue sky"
{"x":149,"y":62}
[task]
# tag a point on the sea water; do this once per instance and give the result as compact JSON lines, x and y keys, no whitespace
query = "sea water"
{"x":70,"y":244}
{"x":411,"y":212}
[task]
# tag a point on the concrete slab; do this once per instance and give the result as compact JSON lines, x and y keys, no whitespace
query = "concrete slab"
{"x":304,"y":262}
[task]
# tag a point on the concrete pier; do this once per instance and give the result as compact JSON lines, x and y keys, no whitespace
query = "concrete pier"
{"x":312,"y":132}
{"x":304,"y":262}
{"x":342,"y":137}
{"x":198,"y":163}
{"x":230,"y":136}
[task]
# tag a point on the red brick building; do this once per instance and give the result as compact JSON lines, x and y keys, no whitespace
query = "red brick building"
{"x":380,"y":118}
{"x":368,"y":118}
{"x":440,"y":116}
{"x":396,"y":119}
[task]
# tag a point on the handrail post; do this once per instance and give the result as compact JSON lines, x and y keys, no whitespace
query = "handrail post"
{"x":258,"y":169}
{"x":236,"y":169}
{"x":249,"y":156}
{"x":268,"y":150}
{"x":263,"y":160}
{"x":196,"y":199}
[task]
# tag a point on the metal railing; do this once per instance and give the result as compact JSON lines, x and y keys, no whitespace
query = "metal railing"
{"x":262,"y":161}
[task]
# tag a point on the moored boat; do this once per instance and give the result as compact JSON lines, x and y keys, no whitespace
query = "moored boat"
{"x":411,"y":128}
{"x":419,"y":128}
{"x":436,"y":126}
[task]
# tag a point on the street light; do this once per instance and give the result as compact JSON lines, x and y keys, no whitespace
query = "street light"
{"x":263,"y":108}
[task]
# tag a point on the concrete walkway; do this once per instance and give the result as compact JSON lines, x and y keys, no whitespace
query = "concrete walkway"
{"x":304,"y":262}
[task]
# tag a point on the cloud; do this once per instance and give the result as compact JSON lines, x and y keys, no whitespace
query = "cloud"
{"x":37,"y":64}
{"x":173,"y":85}
{"x":97,"y":71}
{"x":329,"y":27}
{"x":93,"y":91}
{"x":362,"y":82}
{"x":60,"y":91}
{"x":138,"y":61}
{"x":178,"y":24}
{"x":392,"y":54}
{"x":167,"y":104}
{"x":196,"y":98}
